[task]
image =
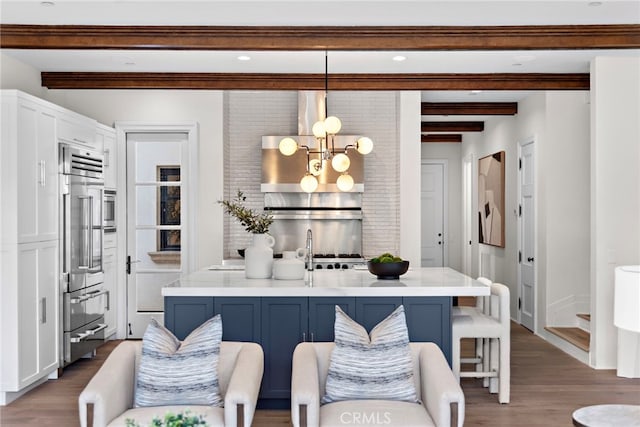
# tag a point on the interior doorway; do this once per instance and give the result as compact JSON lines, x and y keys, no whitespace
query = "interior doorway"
{"x":526,"y":235}
{"x":160,"y":205}
{"x":433,"y":213}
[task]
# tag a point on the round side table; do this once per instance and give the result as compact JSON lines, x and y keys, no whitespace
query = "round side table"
{"x":607,"y":416}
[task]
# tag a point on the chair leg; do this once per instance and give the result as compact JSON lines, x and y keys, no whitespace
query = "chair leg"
{"x":455,"y":357}
{"x":485,"y":360}
{"x":494,"y":363}
{"x":505,"y":370}
{"x":479,"y":342}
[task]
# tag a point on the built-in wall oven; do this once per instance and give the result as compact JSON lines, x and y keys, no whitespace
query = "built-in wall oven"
{"x":84,"y":298}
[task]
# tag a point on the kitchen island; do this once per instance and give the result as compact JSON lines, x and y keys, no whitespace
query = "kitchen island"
{"x":278,"y":314}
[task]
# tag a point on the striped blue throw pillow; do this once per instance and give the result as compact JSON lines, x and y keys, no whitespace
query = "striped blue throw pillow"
{"x":371,"y":367}
{"x":179,"y":373}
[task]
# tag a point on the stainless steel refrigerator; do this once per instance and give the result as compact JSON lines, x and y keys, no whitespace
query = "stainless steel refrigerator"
{"x":84,"y":298}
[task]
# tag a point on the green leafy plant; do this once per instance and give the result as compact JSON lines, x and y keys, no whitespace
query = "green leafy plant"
{"x":172,"y":420}
{"x":251,"y":220}
{"x":386,"y":257}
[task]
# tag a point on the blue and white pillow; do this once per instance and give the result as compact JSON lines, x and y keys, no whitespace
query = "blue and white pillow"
{"x":379,"y":366}
{"x":180,"y":373}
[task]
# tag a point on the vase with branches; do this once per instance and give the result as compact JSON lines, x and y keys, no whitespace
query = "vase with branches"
{"x":259,"y":256}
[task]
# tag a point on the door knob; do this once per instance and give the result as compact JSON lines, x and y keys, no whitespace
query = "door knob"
{"x":530,"y":259}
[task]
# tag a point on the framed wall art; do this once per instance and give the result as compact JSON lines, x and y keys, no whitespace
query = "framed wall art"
{"x":491,"y":195}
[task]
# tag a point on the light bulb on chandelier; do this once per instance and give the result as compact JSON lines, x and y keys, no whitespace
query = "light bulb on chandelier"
{"x":345,"y":182}
{"x":309,"y":183}
{"x":364,"y":145}
{"x":340,"y":162}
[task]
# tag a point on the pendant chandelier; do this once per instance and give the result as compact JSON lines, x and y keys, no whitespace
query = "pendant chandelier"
{"x":325,"y":132}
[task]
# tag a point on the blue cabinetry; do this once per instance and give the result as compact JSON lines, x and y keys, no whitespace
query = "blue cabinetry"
{"x":278,"y":324}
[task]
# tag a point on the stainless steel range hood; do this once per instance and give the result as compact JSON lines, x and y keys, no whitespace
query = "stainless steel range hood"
{"x":283,"y":173}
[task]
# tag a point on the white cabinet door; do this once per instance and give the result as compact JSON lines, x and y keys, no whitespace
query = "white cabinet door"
{"x":37,"y":312}
{"x":37,"y":172}
{"x":108,"y":137}
{"x":78,"y":130}
{"x":110,"y":284}
{"x":48,"y":306}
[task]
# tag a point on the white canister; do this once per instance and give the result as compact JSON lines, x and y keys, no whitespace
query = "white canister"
{"x":290,"y":267}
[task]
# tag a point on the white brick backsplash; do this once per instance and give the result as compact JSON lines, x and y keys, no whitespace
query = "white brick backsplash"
{"x":250,"y":115}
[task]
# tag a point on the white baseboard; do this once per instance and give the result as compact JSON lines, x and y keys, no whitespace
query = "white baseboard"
{"x":7,"y":397}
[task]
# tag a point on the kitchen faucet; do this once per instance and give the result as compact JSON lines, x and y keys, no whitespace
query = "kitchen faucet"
{"x":309,"y":247}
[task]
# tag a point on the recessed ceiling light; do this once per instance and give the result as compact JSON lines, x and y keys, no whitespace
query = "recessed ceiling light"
{"x":475,"y":92}
{"x":399,"y":58}
{"x":244,"y":58}
{"x":47,"y":3}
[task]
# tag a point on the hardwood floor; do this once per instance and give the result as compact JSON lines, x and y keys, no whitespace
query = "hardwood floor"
{"x":547,"y":385}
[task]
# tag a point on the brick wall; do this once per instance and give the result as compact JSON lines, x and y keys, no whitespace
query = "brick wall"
{"x":250,"y":115}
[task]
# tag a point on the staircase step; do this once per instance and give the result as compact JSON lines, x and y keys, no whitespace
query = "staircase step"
{"x":584,"y":316}
{"x":576,"y":336}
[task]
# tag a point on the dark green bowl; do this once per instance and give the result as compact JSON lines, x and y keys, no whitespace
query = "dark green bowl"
{"x":388,"y":270}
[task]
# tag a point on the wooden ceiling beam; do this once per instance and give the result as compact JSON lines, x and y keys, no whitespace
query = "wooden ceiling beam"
{"x":452,"y":126}
{"x":469,"y":108}
{"x":231,"y":81}
{"x":541,"y":37}
{"x":441,"y":137}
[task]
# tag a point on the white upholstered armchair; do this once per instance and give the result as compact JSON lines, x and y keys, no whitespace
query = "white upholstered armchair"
{"x":436,"y":387}
{"x":111,"y":390}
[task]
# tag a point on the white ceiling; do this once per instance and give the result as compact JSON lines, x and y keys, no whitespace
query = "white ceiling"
{"x":328,"y":12}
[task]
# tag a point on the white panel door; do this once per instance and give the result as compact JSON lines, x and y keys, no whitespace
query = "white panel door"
{"x":155,"y":223}
{"x":527,"y":246}
{"x":432,"y":212}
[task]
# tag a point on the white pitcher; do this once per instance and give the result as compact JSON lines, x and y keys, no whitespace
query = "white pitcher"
{"x":258,"y":258}
{"x":290,"y":267}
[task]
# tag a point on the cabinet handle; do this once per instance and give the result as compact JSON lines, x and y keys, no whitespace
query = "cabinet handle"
{"x":312,"y":338}
{"x":304,"y":337}
{"x":106,"y":158}
{"x":108,"y":302}
{"x":43,"y":310}
{"x":43,"y":173}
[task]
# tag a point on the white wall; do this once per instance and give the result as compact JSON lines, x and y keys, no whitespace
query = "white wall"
{"x":565,"y":167}
{"x":495,"y":263}
{"x":558,"y":122}
{"x":18,"y":75}
{"x":409,"y":119}
{"x":452,"y":154}
{"x":167,"y":107}
{"x":615,"y":191}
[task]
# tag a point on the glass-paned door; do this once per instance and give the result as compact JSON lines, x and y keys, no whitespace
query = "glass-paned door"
{"x":155,"y":223}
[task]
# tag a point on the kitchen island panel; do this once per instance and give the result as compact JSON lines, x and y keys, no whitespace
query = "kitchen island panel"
{"x":183,"y":314}
{"x":427,"y":319}
{"x":240,"y":318}
{"x":284,"y":326}
{"x":322,"y":315}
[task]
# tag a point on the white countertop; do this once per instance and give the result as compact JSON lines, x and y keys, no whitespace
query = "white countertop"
{"x":416,"y":282}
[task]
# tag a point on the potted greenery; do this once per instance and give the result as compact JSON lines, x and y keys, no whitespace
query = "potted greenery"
{"x":172,"y":420}
{"x":258,"y":257}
